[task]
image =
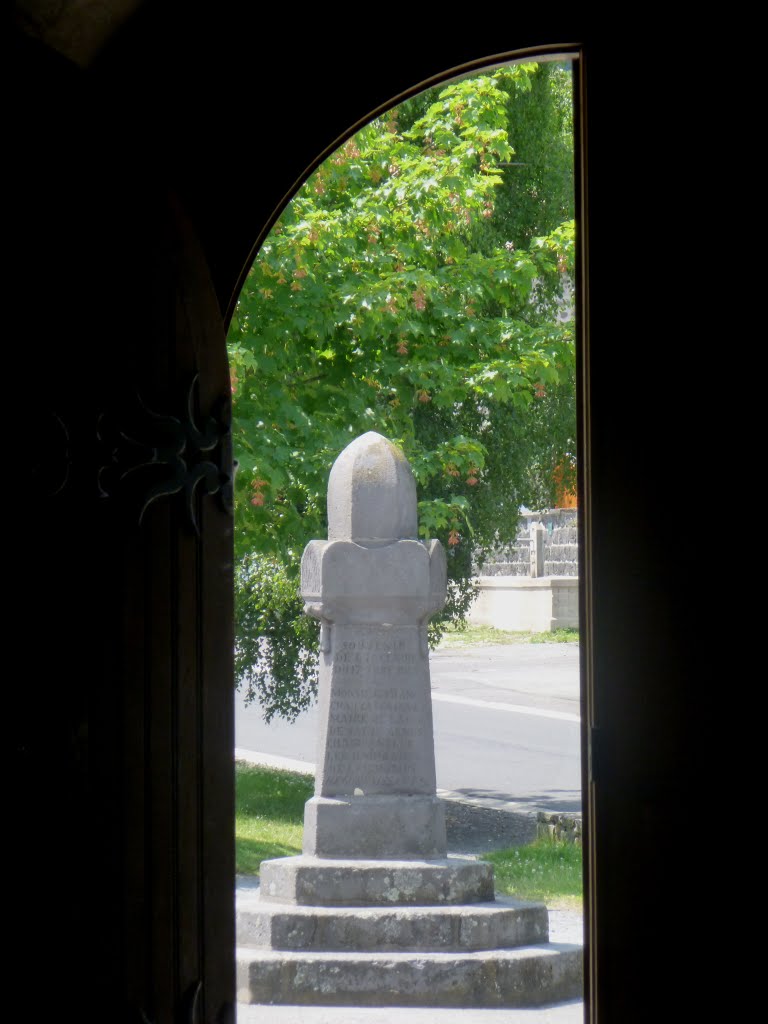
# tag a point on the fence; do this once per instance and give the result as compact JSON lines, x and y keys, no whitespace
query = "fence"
{"x":547,"y":544}
{"x":533,"y":583}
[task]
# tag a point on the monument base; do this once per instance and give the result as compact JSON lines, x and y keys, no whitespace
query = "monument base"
{"x":335,"y":882}
{"x":387,"y":827}
{"x":501,"y":923}
{"x":525,"y":976}
{"x":337,"y":932}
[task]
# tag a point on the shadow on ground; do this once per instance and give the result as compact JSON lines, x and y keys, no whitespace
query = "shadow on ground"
{"x":478,"y":827}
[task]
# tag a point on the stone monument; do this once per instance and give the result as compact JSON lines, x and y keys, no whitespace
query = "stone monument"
{"x":373,"y":585}
{"x":374,"y":912}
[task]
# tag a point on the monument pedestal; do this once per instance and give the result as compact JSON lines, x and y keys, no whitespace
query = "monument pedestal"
{"x":332,"y":932}
{"x":375,"y":826}
{"x":374,"y":912}
{"x":315,"y":881}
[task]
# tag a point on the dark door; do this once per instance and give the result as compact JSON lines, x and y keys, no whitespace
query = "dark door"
{"x":119,"y":897}
{"x":165,"y":494}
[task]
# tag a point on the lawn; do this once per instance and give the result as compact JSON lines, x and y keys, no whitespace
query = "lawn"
{"x":473,"y":636}
{"x":269,"y":814}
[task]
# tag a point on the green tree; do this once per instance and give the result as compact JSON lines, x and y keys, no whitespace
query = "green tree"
{"x":413,"y":286}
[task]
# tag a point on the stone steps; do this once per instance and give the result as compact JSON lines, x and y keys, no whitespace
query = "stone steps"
{"x":525,"y":976}
{"x":503,"y":923}
{"x":326,"y":932}
{"x":319,"y":881}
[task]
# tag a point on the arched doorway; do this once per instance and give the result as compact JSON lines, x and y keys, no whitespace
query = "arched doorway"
{"x":171,"y":125}
{"x":273,"y":277}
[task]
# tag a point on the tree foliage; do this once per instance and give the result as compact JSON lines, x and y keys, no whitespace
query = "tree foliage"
{"x":413,"y":286}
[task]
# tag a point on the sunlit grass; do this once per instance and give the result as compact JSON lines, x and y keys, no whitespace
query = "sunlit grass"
{"x":549,"y":870}
{"x":556,"y":636}
{"x":467,"y":636}
{"x":269,"y":814}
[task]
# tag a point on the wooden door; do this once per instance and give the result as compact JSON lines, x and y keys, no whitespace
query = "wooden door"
{"x":165,"y":493}
{"x":118,"y":578}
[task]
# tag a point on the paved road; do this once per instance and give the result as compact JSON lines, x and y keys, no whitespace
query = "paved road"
{"x":506,"y":722}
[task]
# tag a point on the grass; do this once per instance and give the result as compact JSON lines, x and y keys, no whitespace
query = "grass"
{"x":269,"y":822}
{"x":269,"y":814}
{"x":547,"y":870}
{"x":468,"y":636}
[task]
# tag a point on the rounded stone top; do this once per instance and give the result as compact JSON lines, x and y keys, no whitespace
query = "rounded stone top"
{"x":372,"y":493}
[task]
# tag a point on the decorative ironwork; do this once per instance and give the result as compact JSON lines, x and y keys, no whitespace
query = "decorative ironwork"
{"x":152,"y":456}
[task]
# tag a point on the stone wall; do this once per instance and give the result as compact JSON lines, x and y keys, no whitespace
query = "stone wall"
{"x":523,"y":604}
{"x":565,"y":827}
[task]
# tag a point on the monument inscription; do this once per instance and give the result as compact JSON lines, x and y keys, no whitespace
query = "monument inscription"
{"x":379,"y":723}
